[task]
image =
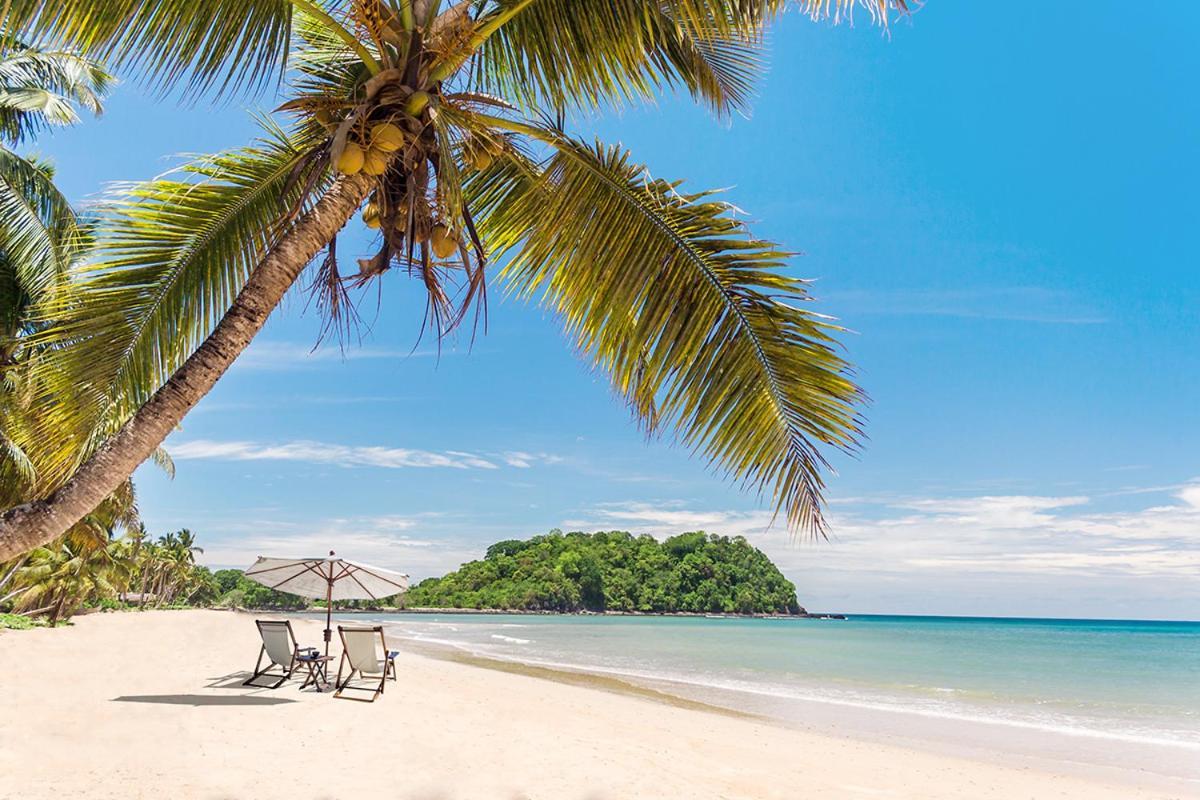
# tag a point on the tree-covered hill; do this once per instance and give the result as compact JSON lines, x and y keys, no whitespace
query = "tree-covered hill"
{"x":615,"y":571}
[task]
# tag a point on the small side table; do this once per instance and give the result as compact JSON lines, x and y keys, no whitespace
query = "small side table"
{"x":318,"y":671}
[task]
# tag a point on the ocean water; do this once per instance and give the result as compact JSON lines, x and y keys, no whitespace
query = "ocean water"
{"x":1134,"y":685}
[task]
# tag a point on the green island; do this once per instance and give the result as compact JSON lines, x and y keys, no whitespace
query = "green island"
{"x":615,"y":571}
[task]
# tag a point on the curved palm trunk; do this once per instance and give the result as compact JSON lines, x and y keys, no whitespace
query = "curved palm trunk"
{"x":27,"y":526}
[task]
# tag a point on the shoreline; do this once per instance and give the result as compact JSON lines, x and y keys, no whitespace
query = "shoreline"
{"x":167,"y":715}
{"x":526,"y":612}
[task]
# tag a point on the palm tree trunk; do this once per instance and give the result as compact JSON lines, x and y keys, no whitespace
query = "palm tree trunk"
{"x":56,"y":609}
{"x":27,"y":526}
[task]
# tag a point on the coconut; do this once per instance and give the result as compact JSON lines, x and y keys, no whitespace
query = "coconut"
{"x":350,"y":162}
{"x":370,"y":215}
{"x":375,"y":162}
{"x":387,"y":137}
{"x":481,"y":160}
{"x":444,"y":242}
{"x":416,"y":103}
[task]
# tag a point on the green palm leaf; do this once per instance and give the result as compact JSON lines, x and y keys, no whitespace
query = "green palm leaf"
{"x":40,"y":88}
{"x":203,"y":45}
{"x":582,"y":53}
{"x":692,"y":317}
{"x":175,"y":252}
{"x":39,"y":233}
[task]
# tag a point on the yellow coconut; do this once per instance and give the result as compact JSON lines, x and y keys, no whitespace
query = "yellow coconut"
{"x":481,"y":159}
{"x":416,"y":103}
{"x":350,"y":162}
{"x":375,"y":162}
{"x":443,"y":241}
{"x":387,"y":137}
{"x":370,"y":215}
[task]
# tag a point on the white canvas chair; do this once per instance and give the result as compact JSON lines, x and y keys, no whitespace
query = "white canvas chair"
{"x":280,"y":648}
{"x":361,"y":654}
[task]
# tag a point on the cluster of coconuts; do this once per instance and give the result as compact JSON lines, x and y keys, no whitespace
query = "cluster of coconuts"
{"x":373,"y":150}
{"x":372,"y":154}
{"x":442,"y":240}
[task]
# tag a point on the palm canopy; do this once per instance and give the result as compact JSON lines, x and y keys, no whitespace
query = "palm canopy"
{"x":39,"y":232}
{"x":440,"y":120}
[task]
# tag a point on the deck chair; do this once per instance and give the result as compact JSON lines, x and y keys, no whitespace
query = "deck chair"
{"x":359,"y":652}
{"x":280,"y":649}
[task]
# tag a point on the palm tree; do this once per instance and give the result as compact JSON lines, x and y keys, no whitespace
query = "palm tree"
{"x":39,"y":232}
{"x":448,"y":123}
{"x":186,"y":541}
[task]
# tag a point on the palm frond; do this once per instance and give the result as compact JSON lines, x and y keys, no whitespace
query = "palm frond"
{"x":880,"y":11}
{"x":200,"y":45}
{"x":39,"y":234}
{"x":40,"y":88}
{"x":695,"y":321}
{"x":162,"y":459}
{"x":583,"y":53}
{"x":174,"y":253}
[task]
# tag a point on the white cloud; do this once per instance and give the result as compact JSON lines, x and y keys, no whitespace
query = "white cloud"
{"x":266,"y":355}
{"x":669,"y":517}
{"x":523,"y":460}
{"x":325,"y":453}
{"x":1191,"y":495}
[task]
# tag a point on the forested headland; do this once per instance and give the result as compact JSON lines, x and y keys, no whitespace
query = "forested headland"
{"x":615,"y":571}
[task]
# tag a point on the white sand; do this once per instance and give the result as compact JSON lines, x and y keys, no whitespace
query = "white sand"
{"x":150,"y":705}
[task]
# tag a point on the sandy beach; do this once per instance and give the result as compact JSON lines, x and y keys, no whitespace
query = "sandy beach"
{"x":147,"y":705}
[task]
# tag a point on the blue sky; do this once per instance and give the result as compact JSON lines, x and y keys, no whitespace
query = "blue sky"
{"x":1001,"y":206}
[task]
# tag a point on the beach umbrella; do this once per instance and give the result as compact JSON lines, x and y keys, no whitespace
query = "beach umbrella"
{"x":327,"y":579}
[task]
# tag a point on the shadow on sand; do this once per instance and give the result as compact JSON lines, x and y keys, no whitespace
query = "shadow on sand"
{"x":202,"y":700}
{"x":234,"y":680}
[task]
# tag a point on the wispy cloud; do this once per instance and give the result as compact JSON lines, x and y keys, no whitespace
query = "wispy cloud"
{"x":312,"y":452}
{"x":1014,"y":303}
{"x":523,"y":460}
{"x":668,"y":516}
{"x":268,"y":355}
{"x":324,"y":453}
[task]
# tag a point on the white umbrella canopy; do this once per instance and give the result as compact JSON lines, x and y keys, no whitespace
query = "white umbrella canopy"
{"x":327,"y":579}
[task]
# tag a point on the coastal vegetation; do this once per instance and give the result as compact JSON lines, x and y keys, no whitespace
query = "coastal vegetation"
{"x":615,"y":571}
{"x":446,"y":125}
{"x":106,"y":571}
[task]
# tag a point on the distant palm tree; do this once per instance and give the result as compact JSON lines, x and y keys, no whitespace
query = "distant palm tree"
{"x":186,"y":542}
{"x":447,"y":122}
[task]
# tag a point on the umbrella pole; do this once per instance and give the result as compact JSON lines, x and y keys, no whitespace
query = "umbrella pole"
{"x":329,"y":611}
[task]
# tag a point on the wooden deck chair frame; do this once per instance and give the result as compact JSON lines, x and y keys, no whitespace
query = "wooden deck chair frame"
{"x":388,"y":661}
{"x":265,"y":672}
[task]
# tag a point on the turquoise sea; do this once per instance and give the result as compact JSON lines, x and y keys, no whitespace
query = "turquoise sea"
{"x":1134,"y":685}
